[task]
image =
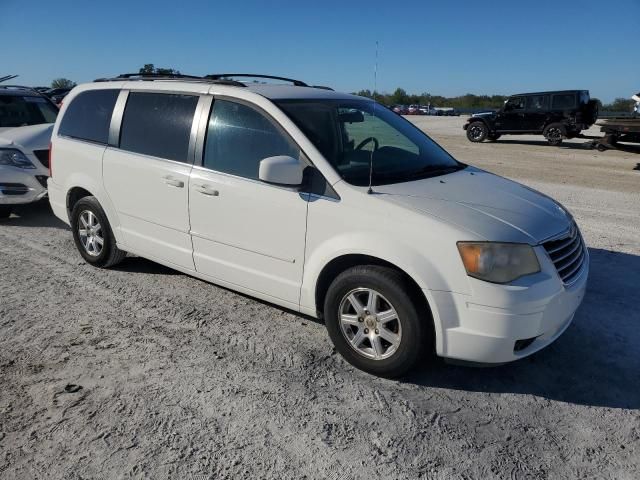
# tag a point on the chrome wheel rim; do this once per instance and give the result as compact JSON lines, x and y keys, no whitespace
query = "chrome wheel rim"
{"x":370,"y":324}
{"x":90,"y":233}
{"x":476,"y":132}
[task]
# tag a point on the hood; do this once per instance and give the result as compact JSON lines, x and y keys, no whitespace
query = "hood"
{"x":484,"y":204}
{"x":31,"y":137}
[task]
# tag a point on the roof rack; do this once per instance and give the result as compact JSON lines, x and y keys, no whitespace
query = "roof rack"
{"x":167,"y":76}
{"x":19,"y":87}
{"x":7,"y":77}
{"x":222,"y":76}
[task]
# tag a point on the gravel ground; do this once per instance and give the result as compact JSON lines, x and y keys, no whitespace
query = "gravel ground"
{"x":143,"y":372}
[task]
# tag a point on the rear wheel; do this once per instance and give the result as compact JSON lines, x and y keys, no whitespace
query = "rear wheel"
{"x":5,"y":211}
{"x":477,"y":132}
{"x":92,"y":234}
{"x":554,"y":133}
{"x":375,"y":322}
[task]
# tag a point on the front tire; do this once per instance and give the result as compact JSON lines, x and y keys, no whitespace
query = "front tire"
{"x":376,"y":322}
{"x":5,"y":211}
{"x":92,"y":234}
{"x":477,"y":132}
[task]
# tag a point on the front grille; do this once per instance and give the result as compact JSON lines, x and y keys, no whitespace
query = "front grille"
{"x":13,"y":188}
{"x":42,"y":156}
{"x":567,"y":254}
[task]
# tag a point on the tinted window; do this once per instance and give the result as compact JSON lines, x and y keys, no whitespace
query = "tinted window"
{"x":17,"y":111}
{"x":516,"y":103}
{"x":158,"y":124}
{"x":88,"y":116}
{"x":565,"y":100}
{"x":537,"y":102}
{"x":238,"y":137}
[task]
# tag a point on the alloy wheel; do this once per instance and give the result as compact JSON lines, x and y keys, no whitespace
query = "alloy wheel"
{"x":90,"y":233}
{"x":370,"y":323}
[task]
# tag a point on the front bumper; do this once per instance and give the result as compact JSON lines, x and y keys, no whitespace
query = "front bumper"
{"x":502,"y":323}
{"x":19,"y":186}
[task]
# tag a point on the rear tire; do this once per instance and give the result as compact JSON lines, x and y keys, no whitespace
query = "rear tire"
{"x":386,"y":334}
{"x":477,"y":131}
{"x":5,"y":211}
{"x":92,"y":234}
{"x":554,"y":133}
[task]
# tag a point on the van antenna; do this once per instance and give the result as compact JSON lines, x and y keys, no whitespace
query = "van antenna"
{"x":375,"y":87}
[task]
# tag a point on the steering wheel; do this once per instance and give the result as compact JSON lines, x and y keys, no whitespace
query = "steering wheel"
{"x":367,"y":140}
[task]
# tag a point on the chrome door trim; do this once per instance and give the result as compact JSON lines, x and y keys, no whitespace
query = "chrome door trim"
{"x":116,"y":118}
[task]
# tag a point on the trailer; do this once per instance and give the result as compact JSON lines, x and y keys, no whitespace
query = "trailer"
{"x":617,"y":129}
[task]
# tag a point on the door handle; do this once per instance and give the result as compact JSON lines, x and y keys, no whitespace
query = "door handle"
{"x":207,"y":190}
{"x":174,"y":182}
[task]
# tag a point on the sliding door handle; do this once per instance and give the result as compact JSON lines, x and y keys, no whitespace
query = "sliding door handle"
{"x":174,"y":182}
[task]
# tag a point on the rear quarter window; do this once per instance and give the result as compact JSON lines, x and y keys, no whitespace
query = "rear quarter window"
{"x":158,"y":124}
{"x":563,"y":101}
{"x":88,"y":116}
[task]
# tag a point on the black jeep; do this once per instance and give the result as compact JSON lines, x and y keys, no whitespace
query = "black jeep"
{"x":556,"y":115}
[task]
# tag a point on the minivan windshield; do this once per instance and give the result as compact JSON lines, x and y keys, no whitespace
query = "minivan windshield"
{"x":352,"y":133}
{"x":21,"y":110}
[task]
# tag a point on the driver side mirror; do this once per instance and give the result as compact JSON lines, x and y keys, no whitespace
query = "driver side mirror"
{"x":281,"y":170}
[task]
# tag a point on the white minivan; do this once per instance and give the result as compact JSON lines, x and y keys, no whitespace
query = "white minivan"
{"x":321,"y":202}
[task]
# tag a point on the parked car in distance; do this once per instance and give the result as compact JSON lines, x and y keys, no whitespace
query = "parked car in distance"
{"x":56,"y":92}
{"x":400,"y":109}
{"x":26,"y":122}
{"x":320,"y":202}
{"x":556,"y":115}
{"x":413,"y":110}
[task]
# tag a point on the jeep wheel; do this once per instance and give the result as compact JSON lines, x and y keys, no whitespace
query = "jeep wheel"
{"x":376,"y":322}
{"x":554,"y":133}
{"x":5,"y":211}
{"x":477,"y":132}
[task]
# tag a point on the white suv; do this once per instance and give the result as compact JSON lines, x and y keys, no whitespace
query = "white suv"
{"x":26,"y":122}
{"x":321,"y":202}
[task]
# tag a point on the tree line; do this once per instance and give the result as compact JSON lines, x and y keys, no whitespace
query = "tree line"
{"x":469,"y":101}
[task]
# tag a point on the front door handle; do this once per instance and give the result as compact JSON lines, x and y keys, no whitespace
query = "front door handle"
{"x":207,"y":190}
{"x":174,"y":182}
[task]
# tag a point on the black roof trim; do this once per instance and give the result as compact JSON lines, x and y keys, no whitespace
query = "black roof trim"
{"x":20,"y":87}
{"x":550,"y":92}
{"x":222,"y":76}
{"x":171,"y":76}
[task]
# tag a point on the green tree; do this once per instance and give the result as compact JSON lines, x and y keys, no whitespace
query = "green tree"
{"x":150,"y":68}
{"x":619,"y":105}
{"x":62,"y":83}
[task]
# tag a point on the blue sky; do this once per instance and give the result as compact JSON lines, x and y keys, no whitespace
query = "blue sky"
{"x":443,"y":47}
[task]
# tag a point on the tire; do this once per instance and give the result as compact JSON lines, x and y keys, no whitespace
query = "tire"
{"x":493,"y":137}
{"x":477,"y":132}
{"x":88,"y":212}
{"x":389,"y":349}
{"x":5,"y":211}
{"x":554,"y":133}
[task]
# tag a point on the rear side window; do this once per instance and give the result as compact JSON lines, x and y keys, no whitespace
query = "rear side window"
{"x":88,"y":116}
{"x":238,"y":137}
{"x":158,"y":124}
{"x":563,"y":101}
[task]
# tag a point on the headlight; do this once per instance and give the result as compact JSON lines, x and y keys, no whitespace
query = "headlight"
{"x":15,"y":158}
{"x":498,"y":262}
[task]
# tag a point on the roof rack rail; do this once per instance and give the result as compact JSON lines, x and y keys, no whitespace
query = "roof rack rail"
{"x":167,"y":76}
{"x":322,"y":87}
{"x":20,"y":87}
{"x":7,"y":77}
{"x":222,"y":76}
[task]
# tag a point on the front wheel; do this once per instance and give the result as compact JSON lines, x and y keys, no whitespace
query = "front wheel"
{"x":5,"y":211}
{"x":477,"y":132}
{"x":92,"y":234}
{"x":375,"y":321}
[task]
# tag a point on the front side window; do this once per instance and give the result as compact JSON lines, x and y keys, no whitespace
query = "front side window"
{"x":239,"y":137}
{"x":563,"y":101}
{"x":537,"y":102}
{"x":88,"y":116}
{"x":515,"y":103}
{"x":356,"y":134}
{"x":158,"y":124}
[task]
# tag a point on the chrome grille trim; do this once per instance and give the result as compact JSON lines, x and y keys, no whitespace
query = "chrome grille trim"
{"x":567,"y":252}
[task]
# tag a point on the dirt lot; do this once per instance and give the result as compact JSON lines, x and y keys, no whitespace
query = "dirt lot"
{"x":147,"y":373}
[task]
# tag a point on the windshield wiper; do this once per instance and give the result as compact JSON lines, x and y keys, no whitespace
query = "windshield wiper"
{"x":436,"y":170}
